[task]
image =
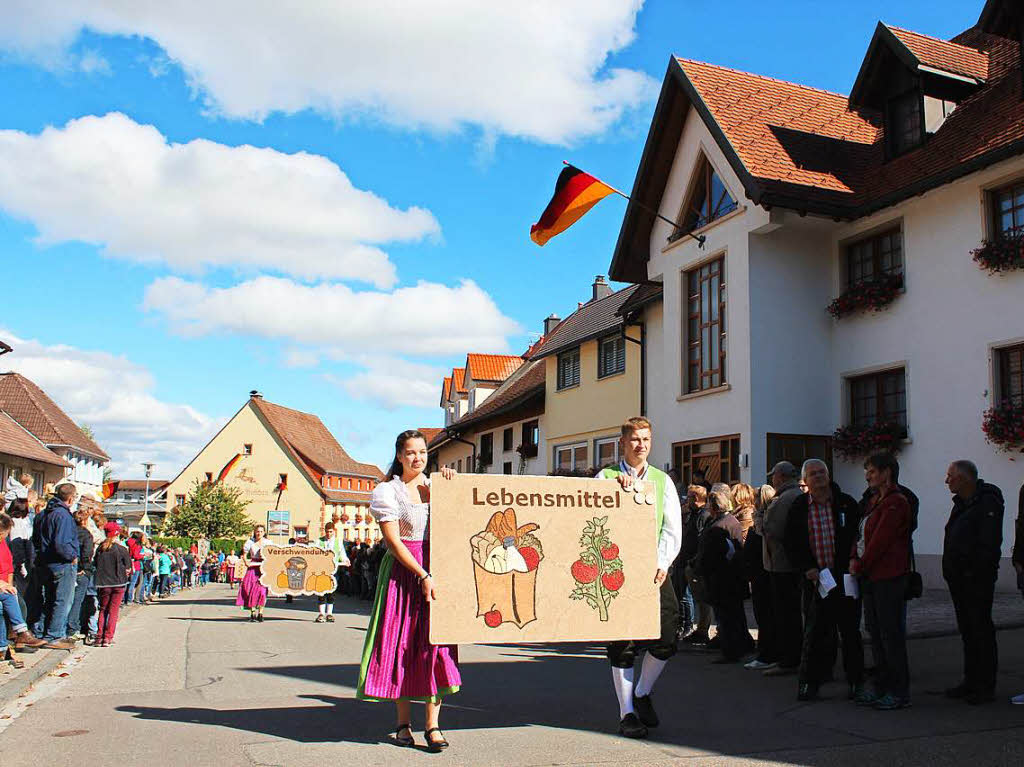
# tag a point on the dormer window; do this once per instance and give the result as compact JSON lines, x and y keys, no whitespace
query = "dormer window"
{"x":709,"y":200}
{"x":904,"y":123}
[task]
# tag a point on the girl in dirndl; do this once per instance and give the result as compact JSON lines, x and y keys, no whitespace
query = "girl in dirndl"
{"x":399,"y":663}
{"x":253,"y":594}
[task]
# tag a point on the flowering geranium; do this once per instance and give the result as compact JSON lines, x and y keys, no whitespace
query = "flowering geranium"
{"x":1002,"y":254}
{"x":856,"y":441}
{"x":871,"y":295}
{"x":1004,"y":426}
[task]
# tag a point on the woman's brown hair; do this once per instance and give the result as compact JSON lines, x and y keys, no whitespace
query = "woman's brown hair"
{"x":396,"y":465}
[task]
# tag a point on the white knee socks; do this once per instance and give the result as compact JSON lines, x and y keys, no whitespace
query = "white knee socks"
{"x":322,"y":608}
{"x":649,"y":673}
{"x":330,"y":608}
{"x":622,"y":678}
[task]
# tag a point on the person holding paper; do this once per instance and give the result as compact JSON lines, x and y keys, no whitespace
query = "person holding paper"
{"x":881,"y":558}
{"x":820,"y":532}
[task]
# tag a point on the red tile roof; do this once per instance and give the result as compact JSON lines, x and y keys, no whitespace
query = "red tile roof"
{"x":16,"y":441}
{"x":943,"y":54}
{"x":316,"y":449}
{"x":491,"y":368}
{"x":30,"y":406}
{"x":430,"y":433}
{"x":810,"y":150}
{"x":346,"y":496}
{"x":446,"y":389}
{"x":459,"y":380}
{"x":136,"y":485}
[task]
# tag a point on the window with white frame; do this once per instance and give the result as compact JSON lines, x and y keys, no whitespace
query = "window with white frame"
{"x":571,"y":457}
{"x":611,"y":355}
{"x":607,"y":451}
{"x":569,"y":369}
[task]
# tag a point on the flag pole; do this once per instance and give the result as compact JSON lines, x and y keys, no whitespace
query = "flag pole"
{"x":698,"y":237}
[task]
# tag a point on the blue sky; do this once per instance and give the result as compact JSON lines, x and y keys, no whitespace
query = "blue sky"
{"x":156,"y":272}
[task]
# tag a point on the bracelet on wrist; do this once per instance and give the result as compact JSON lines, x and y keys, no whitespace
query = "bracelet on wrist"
{"x":424,"y":577}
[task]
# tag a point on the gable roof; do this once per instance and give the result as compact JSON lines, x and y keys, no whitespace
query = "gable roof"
{"x":16,"y":440}
{"x":943,"y":54}
{"x":590,"y":321}
{"x":31,"y":407}
{"x":459,"y":380}
{"x":491,"y":368}
{"x":446,"y":390}
{"x":316,"y":449}
{"x":429,"y":433}
{"x":812,"y":151}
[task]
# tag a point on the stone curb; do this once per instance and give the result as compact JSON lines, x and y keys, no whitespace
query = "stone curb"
{"x":23,"y":682}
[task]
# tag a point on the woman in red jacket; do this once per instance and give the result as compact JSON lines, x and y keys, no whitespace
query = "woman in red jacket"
{"x":882,"y":560}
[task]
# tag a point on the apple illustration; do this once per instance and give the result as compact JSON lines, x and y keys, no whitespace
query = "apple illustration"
{"x":584,"y":573}
{"x":613,"y":581}
{"x":531,"y":557}
{"x":492,"y":618}
{"x":609,"y":552}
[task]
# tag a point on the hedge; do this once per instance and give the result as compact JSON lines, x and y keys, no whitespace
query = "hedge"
{"x":227,"y":545}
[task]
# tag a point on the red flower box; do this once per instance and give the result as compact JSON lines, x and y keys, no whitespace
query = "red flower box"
{"x":1004,"y":426}
{"x":853,"y":442}
{"x":870,"y":295}
{"x":1003,"y":254}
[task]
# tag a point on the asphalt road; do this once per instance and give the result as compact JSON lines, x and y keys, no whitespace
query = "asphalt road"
{"x":192,"y":682}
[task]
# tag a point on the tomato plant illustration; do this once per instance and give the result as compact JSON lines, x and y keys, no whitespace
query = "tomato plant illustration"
{"x":598,"y":572}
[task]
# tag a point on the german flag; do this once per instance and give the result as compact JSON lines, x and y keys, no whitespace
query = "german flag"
{"x":109,"y":488}
{"x":576,"y":192}
{"x":228,"y":467}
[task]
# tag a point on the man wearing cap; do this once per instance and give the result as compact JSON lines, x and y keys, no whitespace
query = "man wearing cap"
{"x":785,"y":577}
{"x":636,"y":710}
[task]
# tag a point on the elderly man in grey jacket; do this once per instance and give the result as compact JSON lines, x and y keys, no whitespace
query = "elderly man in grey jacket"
{"x":785,"y":578}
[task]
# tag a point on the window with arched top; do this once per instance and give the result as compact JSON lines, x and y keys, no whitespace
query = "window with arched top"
{"x":709,"y":199}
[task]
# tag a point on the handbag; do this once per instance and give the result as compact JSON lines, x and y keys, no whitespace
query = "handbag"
{"x":915,"y":585}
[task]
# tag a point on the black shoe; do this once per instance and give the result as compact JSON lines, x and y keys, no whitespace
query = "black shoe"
{"x":259,"y":617}
{"x":697,"y":637}
{"x":978,"y":697}
{"x":435,"y":746}
{"x":807,"y":691}
{"x":714,"y":643}
{"x":645,"y":710}
{"x":632,"y":727}
{"x":962,"y":690}
{"x":407,"y":741}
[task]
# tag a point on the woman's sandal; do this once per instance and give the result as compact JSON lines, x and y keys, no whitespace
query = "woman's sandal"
{"x":404,"y":741}
{"x":435,"y":746}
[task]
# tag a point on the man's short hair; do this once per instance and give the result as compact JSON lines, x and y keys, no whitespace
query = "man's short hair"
{"x":882,"y":461}
{"x":812,"y":462}
{"x":967,"y":468}
{"x":65,"y":491}
{"x":635,"y":424}
{"x":786,"y":469}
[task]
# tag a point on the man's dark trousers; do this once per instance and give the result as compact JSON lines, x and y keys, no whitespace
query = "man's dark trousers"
{"x":972,"y":600}
{"x":823,"y":618}
{"x":788,"y":623}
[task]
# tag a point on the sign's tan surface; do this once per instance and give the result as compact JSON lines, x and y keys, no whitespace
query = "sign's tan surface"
{"x":541,"y":559}
{"x":297,"y":570}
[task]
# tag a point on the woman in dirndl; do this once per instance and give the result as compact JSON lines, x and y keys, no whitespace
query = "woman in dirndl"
{"x":399,"y":663}
{"x":252,"y":594}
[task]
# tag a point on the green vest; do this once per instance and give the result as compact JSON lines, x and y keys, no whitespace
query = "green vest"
{"x":659,"y":478}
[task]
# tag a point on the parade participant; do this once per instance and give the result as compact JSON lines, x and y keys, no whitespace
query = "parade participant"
{"x":636,"y":710}
{"x":252,"y":594}
{"x":399,"y":663}
{"x":332,"y":542}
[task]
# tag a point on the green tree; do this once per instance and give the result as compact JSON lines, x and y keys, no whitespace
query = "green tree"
{"x":210,"y":511}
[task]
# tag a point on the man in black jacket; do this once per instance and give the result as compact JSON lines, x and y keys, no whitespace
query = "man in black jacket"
{"x":820,"y":532}
{"x":970,"y":564}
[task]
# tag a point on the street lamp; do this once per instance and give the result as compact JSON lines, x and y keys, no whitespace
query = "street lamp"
{"x":149,"y":472}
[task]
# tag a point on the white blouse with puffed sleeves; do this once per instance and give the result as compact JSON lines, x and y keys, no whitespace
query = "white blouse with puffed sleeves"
{"x":390,"y":503}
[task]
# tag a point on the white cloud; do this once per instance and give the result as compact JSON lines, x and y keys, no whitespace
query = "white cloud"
{"x":114,"y":396}
{"x":122,"y":186}
{"x":426,"y":319}
{"x":392,"y":383}
{"x":531,"y":68}
{"x":92,"y":63}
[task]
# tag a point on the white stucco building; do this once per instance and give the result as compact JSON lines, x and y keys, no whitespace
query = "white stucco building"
{"x":802,"y":196}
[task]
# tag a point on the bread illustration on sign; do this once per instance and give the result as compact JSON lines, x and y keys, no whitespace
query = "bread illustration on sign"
{"x":506,"y":557}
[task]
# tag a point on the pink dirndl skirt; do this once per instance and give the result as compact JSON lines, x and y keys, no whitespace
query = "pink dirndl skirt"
{"x":251,"y":593}
{"x":399,"y":663}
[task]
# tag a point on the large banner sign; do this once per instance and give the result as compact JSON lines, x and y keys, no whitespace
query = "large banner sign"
{"x":541,"y":559}
{"x":297,"y":570}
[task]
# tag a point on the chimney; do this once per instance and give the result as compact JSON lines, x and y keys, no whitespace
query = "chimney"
{"x":601,"y":288}
{"x":254,"y":394}
{"x":549,"y":323}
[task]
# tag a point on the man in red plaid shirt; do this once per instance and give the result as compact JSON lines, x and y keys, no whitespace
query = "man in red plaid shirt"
{"x":820,"y":534}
